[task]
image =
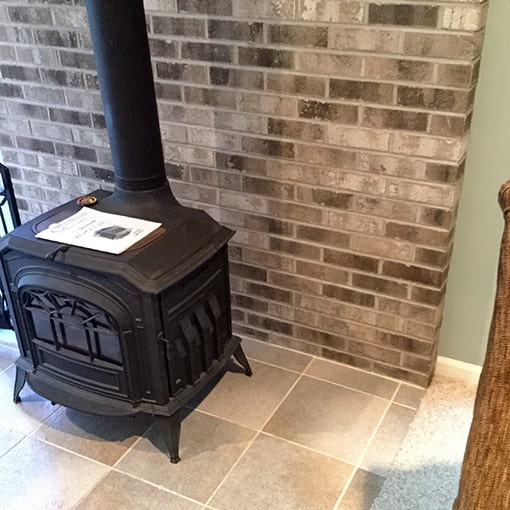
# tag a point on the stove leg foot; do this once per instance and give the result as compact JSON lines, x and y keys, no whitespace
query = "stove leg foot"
{"x":19,"y":382}
{"x":173,"y":440}
{"x":241,"y":359}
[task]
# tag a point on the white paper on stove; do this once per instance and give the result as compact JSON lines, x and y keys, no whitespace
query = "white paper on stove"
{"x":96,"y":230}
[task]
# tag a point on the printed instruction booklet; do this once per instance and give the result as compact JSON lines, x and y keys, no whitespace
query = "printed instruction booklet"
{"x":96,"y":230}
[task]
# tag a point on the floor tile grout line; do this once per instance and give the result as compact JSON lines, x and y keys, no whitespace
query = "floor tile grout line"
{"x":17,"y":443}
{"x":286,"y":440}
{"x":332,"y":382}
{"x":109,"y":468}
{"x":232,"y":422}
{"x":116,"y":463}
{"x":390,"y":399}
{"x":284,"y":397}
{"x":10,"y":348}
{"x":348,"y":387}
{"x":62,"y":448}
{"x":58,"y":407}
{"x":276,"y":366}
{"x":407,"y":406}
{"x":365,"y":450}
{"x":326,"y":360}
{"x":156,"y":486}
{"x":41,"y":421}
{"x":85,"y":496}
{"x":258,"y":432}
{"x":8,"y":367}
{"x":77,"y":454}
{"x":112,"y":468}
{"x":207,"y":503}
{"x":244,"y":337}
{"x":305,"y":447}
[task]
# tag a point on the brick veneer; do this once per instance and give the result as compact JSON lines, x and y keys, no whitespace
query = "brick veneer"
{"x":331,"y":134}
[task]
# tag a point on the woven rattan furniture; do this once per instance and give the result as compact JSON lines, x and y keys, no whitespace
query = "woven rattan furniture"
{"x":485,"y":478}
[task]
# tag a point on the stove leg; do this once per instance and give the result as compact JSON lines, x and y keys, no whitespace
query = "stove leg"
{"x":19,"y":382}
{"x":173,"y":440}
{"x":241,"y":359}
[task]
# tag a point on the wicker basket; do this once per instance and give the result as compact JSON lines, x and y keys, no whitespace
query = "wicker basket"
{"x":485,"y":478}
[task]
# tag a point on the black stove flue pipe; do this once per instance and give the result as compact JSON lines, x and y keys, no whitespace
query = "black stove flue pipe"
{"x":123,"y":63}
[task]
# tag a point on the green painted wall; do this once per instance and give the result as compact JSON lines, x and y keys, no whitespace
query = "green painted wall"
{"x":472,"y":278}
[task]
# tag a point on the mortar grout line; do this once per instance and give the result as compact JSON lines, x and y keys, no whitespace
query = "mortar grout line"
{"x":6,"y":368}
{"x":116,"y":463}
{"x":15,"y":444}
{"x":63,"y":448}
{"x":32,"y":435}
{"x":286,"y":440}
{"x":334,"y":363}
{"x":349,"y":387}
{"x":255,"y":437}
{"x":155,"y":485}
{"x":309,"y":448}
{"x":302,"y":374}
{"x":114,"y":468}
{"x":84,"y":496}
{"x":44,"y":420}
{"x":9,"y":347}
{"x":275,"y":366}
{"x":320,"y":144}
{"x":365,"y":450}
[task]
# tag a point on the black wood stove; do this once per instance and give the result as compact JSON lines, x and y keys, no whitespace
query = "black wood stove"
{"x":146,"y":330}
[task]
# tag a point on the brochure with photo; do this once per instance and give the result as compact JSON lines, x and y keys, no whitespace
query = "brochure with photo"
{"x":99,"y":231}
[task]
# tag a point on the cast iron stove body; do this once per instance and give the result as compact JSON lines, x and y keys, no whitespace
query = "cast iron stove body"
{"x":146,"y":330}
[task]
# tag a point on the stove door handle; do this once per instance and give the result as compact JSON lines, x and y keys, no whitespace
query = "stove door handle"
{"x":52,"y":254}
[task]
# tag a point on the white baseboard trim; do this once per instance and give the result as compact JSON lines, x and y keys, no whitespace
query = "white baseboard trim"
{"x":465,"y":372}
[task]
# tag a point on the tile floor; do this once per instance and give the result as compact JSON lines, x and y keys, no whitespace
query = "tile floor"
{"x":302,"y":433}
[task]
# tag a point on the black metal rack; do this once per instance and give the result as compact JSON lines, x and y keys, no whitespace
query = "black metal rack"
{"x":9,"y":220}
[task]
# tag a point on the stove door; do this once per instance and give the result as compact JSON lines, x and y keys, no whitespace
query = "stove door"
{"x":76,"y":333}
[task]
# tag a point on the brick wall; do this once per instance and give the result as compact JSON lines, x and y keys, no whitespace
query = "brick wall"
{"x":331,"y":134}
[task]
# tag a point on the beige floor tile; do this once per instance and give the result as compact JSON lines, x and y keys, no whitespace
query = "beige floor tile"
{"x":387,"y":439}
{"x":8,"y":438}
{"x":362,"y":491}
{"x":35,"y":475}
{"x":30,"y":412}
{"x":409,"y":395}
{"x":275,"y":355}
{"x":120,"y":492}
{"x":102,"y":438}
{"x":328,"y":418}
{"x":8,"y":339}
{"x":209,"y":447}
{"x":275,"y":474}
{"x":248,"y":401}
{"x":352,"y":378}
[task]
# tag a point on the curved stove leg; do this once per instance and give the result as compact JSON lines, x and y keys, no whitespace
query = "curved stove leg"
{"x":241,"y":359}
{"x":19,"y":382}
{"x":174,"y":437}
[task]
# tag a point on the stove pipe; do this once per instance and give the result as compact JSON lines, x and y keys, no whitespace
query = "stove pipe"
{"x":123,"y":63}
